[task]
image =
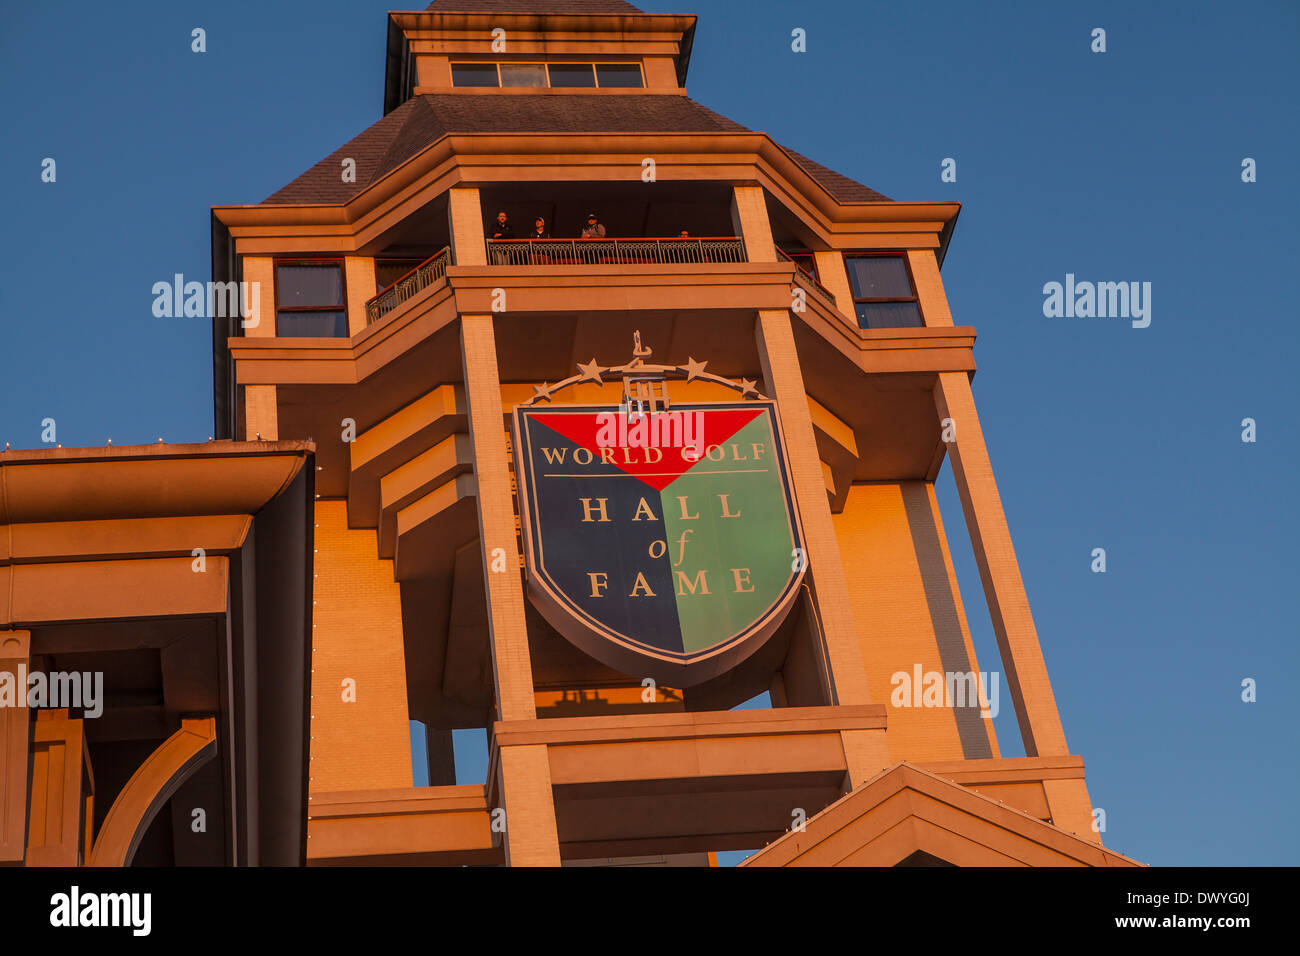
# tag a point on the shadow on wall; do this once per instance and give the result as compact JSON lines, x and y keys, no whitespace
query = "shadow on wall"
{"x":953,"y":653}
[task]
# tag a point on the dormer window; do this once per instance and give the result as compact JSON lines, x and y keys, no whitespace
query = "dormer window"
{"x":618,"y":75}
{"x":572,"y":74}
{"x":474,"y":74}
{"x":523,"y":74}
{"x":553,"y":75}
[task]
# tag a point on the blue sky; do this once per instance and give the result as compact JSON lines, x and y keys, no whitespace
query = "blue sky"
{"x":1115,"y":166}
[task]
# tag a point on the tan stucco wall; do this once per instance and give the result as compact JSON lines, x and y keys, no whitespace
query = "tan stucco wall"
{"x":908,"y":610}
{"x":356,"y":633}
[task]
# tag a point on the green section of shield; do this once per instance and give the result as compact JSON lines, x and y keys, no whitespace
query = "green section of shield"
{"x":759,"y":541}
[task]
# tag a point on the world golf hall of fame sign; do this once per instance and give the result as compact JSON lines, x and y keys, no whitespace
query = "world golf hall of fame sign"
{"x":663,"y":540}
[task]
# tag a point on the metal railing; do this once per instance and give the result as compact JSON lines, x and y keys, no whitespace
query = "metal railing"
{"x":807,"y":279}
{"x":594,"y":252}
{"x":421,"y":277}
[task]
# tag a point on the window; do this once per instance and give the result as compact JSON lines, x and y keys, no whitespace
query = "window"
{"x":309,"y":300}
{"x":572,"y":74}
{"x":882,"y":292}
{"x":474,"y":74}
{"x":561,"y":75}
{"x":523,"y":74}
{"x":619,"y":74}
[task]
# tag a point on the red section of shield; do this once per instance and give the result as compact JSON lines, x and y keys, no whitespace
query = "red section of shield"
{"x":707,"y":428}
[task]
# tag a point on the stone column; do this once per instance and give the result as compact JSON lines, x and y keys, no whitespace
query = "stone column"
{"x":1022,"y":658}
{"x":359,"y":276}
{"x":929,"y":287}
{"x":466,"y":219}
{"x":833,"y":275}
{"x":525,"y":777}
{"x":749,"y":219}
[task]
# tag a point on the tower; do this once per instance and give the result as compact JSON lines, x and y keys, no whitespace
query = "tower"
{"x":387,"y":305}
{"x":586,"y":493}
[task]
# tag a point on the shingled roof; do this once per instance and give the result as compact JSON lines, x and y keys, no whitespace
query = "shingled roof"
{"x":531,"y":6}
{"x":841,"y":188}
{"x":425,"y":119}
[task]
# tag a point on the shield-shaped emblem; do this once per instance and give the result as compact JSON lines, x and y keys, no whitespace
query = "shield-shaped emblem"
{"x":665,"y":544}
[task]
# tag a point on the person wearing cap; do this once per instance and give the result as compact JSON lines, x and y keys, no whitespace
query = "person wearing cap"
{"x":593,"y":229}
{"x":539,"y":229}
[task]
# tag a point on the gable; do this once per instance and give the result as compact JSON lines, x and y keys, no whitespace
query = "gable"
{"x":906,"y":816}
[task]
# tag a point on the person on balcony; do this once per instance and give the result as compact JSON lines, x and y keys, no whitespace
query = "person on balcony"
{"x":594,"y":229}
{"x":539,"y":229}
{"x":692,"y":252}
{"x":501,"y":229}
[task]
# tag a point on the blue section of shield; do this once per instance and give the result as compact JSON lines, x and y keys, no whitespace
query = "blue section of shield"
{"x":569,"y":549}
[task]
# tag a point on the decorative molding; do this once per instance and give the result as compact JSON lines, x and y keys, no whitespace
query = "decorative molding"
{"x":636,"y":370}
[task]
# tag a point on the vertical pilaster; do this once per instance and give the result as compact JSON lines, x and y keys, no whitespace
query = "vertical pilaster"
{"x":780,"y":363}
{"x":929,"y":287}
{"x":15,"y":658}
{"x":525,"y":777}
{"x":57,"y":828}
{"x":1004,"y":590}
{"x":465,"y":214}
{"x":260,"y":270}
{"x":749,"y":219}
{"x":833,"y":276}
{"x":359,"y":274}
{"x":261,"y":414}
{"x":531,"y":835}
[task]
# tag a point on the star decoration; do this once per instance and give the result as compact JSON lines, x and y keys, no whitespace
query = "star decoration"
{"x":693,"y":369}
{"x":591,"y":372}
{"x":542,"y":391}
{"x":748,"y":387}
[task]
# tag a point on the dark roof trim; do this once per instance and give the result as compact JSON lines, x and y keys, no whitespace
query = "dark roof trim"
{"x":946,"y":236}
{"x":223,"y":385}
{"x":396,"y":63}
{"x":684,"y":53}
